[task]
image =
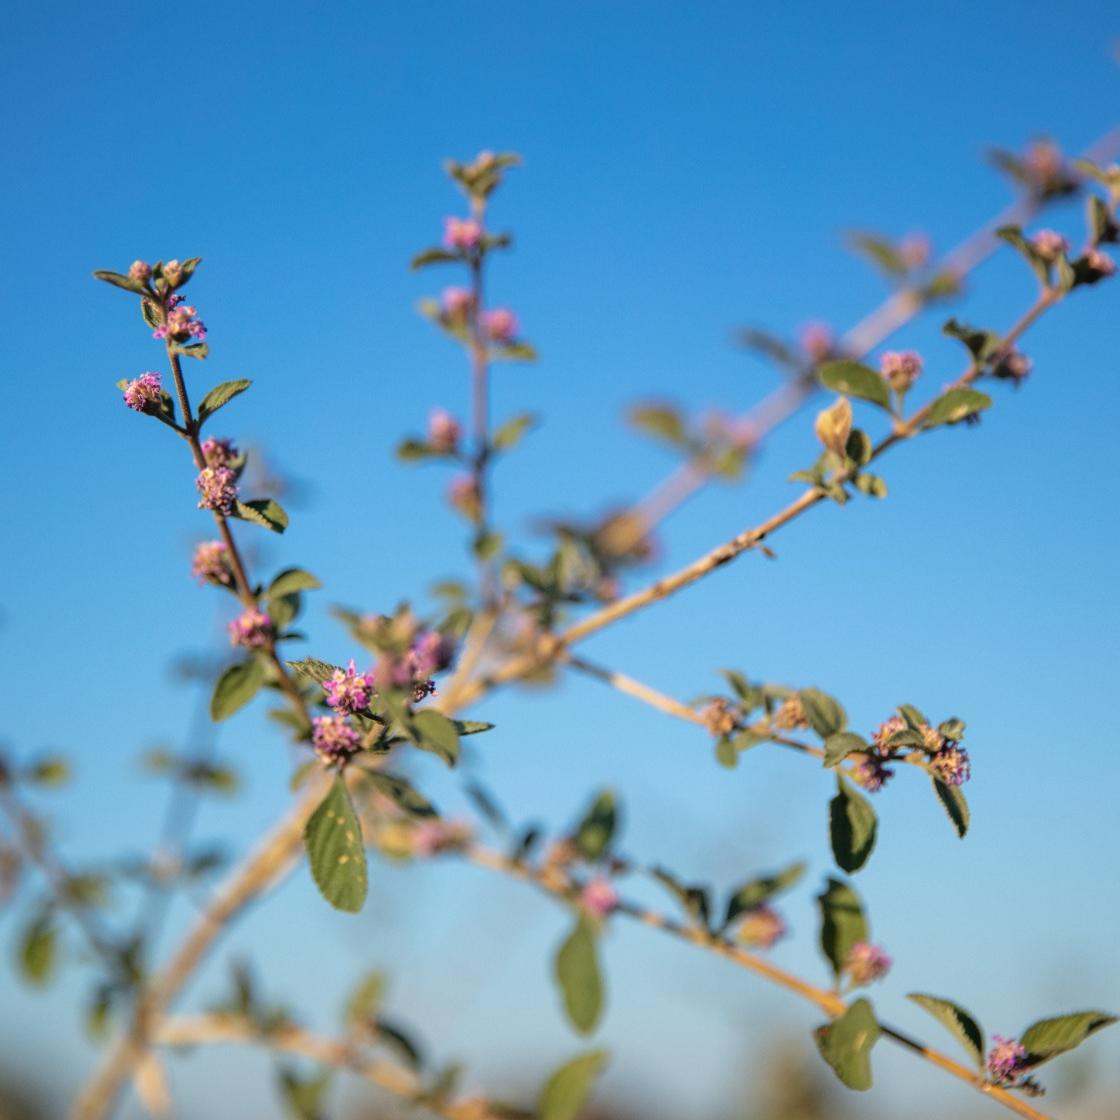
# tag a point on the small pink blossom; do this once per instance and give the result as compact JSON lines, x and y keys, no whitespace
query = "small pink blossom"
{"x":443,"y":431}
{"x":143,"y":393}
{"x":210,"y":564}
{"x":1049,"y":245}
{"x":461,"y":233}
{"x":501,"y":325}
{"x":218,"y":452}
{"x":457,"y":303}
{"x":871,"y":772}
{"x":951,"y":765}
{"x":333,"y":738}
{"x":252,"y":629}
{"x":140,"y":271}
{"x":181,"y":323}
{"x":1100,"y":262}
{"x":349,"y":691}
{"x":866,"y":963}
{"x":900,"y":368}
{"x":1006,"y":1060}
{"x":886,"y":729}
{"x":218,"y":487}
{"x":761,"y":927}
{"x":598,"y":898}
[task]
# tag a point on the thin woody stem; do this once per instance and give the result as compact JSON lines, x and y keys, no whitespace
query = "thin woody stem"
{"x":480,"y":402}
{"x":553,"y":644}
{"x":196,"y":1030}
{"x":560,"y":885}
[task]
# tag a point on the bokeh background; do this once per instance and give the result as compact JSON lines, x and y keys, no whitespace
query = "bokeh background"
{"x":688,"y":169}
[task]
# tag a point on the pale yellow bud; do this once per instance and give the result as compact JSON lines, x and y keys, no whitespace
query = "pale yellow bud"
{"x":834,"y":425}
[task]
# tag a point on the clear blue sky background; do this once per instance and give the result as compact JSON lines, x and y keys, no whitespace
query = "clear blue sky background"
{"x":688,"y":168}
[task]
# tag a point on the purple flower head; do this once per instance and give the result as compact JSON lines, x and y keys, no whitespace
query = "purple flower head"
{"x":457,"y":303}
{"x":900,"y":368}
{"x":1101,"y":263}
{"x":173,"y":273}
{"x":218,"y":487}
{"x":866,"y":963}
{"x":817,"y":341}
{"x":443,"y":431}
{"x":598,"y":898}
{"x":431,"y":653}
{"x":143,"y":393}
{"x":210,"y":564}
{"x":1049,"y":245}
{"x":871,"y":772}
{"x":1006,"y":1060}
{"x":461,"y":233}
{"x":761,"y":927}
{"x":333,"y":738}
{"x":218,"y":452}
{"x":252,"y":629}
{"x":433,"y":837}
{"x":349,"y":691}
{"x":501,"y":325}
{"x":182,"y":322}
{"x":951,"y":766}
{"x":886,"y":729}
{"x":141,"y":271}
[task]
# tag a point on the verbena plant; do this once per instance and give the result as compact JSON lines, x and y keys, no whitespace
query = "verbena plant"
{"x":521,"y":616}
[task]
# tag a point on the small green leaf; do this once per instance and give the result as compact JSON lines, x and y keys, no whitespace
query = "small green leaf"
{"x":843,"y":923}
{"x":662,"y":421}
{"x":846,"y":1044}
{"x":51,"y":770}
{"x":472,"y":726}
{"x":981,"y":344}
{"x":594,"y":833}
{"x":838,"y":746}
{"x":693,"y":897}
{"x":759,"y":890}
{"x":953,"y":406}
{"x":433,"y":256}
{"x":854,"y":379}
{"x":852,"y":827}
{"x":964,"y":1028}
{"x":291,"y":580}
{"x":953,"y":802}
{"x":38,"y":950}
{"x":871,"y":485}
{"x":266,"y":512}
{"x":519,"y":351}
{"x":509,"y":435}
{"x":221,"y":395}
{"x":303,"y":1094}
{"x":118,"y":280}
{"x":434,"y":732}
{"x":333,"y":839}
{"x":577,"y":972}
{"x":198,"y":350}
{"x":366,"y":997}
{"x":825,"y":714}
{"x":1013,"y":235}
{"x":235,"y":688}
{"x":567,"y":1090}
{"x":1048,"y":1038}
{"x":915,"y":720}
{"x":314,"y":669}
{"x":403,"y":792}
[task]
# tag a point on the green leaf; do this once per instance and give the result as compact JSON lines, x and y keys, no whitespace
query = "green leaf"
{"x":914,"y":718}
{"x":577,"y":972}
{"x":594,"y":833}
{"x":854,"y":379}
{"x":842,"y":923}
{"x":759,"y":890}
{"x":434,"y":732}
{"x":871,"y":485}
{"x":198,"y":350}
{"x":520,"y":351}
{"x":333,"y":839}
{"x":472,"y":726}
{"x":846,"y":1044}
{"x":366,"y":997}
{"x":266,"y":512}
{"x":953,"y":406}
{"x":510,"y":433}
{"x":1013,"y":235}
{"x":221,"y":395}
{"x":290,"y":580}
{"x":38,"y":950}
{"x":235,"y":688}
{"x":51,"y":770}
{"x":403,"y":792}
{"x":662,"y":421}
{"x":953,"y":801}
{"x":838,"y":746}
{"x":314,"y":669}
{"x":825,"y":715}
{"x":567,"y":1090}
{"x":693,"y":897}
{"x":119,"y":280}
{"x":963,"y":1027}
{"x":981,"y":344}
{"x":1048,"y":1038}
{"x":852,"y":827}
{"x":303,"y":1095}
{"x":433,"y":256}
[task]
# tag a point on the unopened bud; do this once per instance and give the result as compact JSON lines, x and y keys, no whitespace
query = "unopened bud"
{"x":834,"y":425}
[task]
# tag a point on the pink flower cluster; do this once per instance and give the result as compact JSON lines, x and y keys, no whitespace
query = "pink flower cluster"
{"x":1049,"y":245}
{"x":871,"y":772}
{"x":219,"y":452}
{"x":761,"y":927}
{"x":333,"y":738}
{"x":900,"y":368}
{"x":143,"y":393}
{"x":210,"y":564}
{"x":430,"y":652}
{"x":951,"y":765}
{"x":598,"y":898}
{"x":140,"y":271}
{"x":1100,"y":262}
{"x":866,"y":963}
{"x":252,"y":629}
{"x":182,"y":322}
{"x":349,"y":691}
{"x":443,"y":432}
{"x":457,"y":303}
{"x":464,"y":234}
{"x":1006,"y":1060}
{"x":218,"y":487}
{"x":501,"y":325}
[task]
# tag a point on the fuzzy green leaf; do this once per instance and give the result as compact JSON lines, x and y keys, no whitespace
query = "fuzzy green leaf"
{"x":266,"y":512}
{"x":594,"y":833}
{"x":1048,"y":1038}
{"x":403,"y":792}
{"x":38,"y":950}
{"x":577,"y":972}
{"x":510,"y":433}
{"x":291,"y":580}
{"x":235,"y":688}
{"x":433,"y":731}
{"x":838,"y":746}
{"x":118,"y":280}
{"x":472,"y":726}
{"x":759,"y":890}
{"x":825,"y":714}
{"x":953,"y":406}
{"x":843,"y":923}
{"x":333,"y":839}
{"x":694,"y":897}
{"x":221,"y":395}
{"x":567,"y":1090}
{"x":964,"y":1028}
{"x":852,"y":827}
{"x":854,"y":379}
{"x":953,"y":802}
{"x":846,"y":1044}
{"x":314,"y":669}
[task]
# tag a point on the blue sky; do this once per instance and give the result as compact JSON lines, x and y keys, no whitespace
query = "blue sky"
{"x":688,"y":169}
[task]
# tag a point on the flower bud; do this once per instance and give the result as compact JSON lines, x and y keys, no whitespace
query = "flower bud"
{"x":461,"y":233}
{"x":140,"y":271}
{"x":173,"y":273}
{"x":834,"y":425}
{"x":900,"y":369}
{"x":501,"y":325}
{"x":443,"y":432}
{"x":143,"y":393}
